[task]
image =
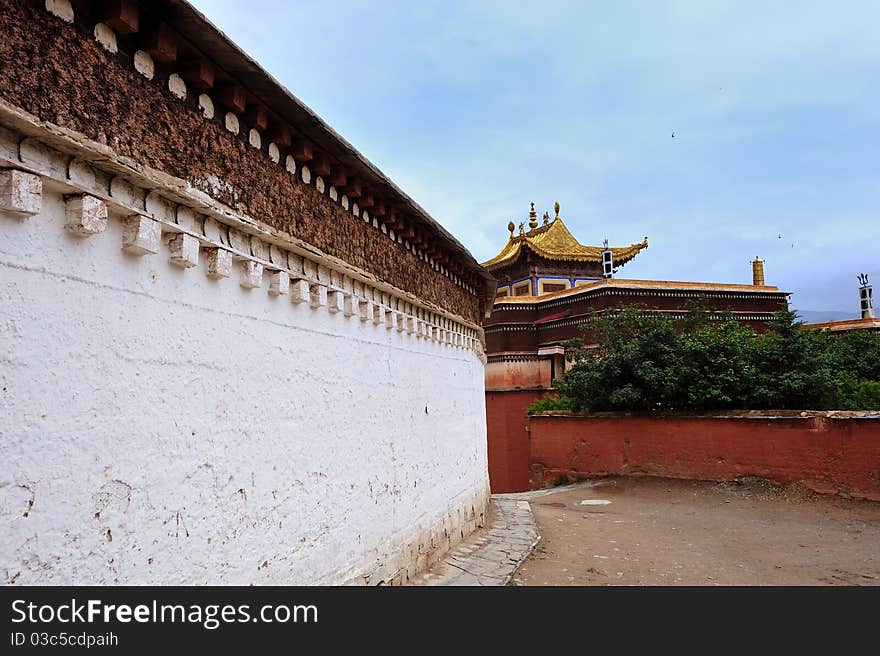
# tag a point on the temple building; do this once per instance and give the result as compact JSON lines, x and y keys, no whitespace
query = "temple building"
{"x":548,"y":283}
{"x":549,"y":259}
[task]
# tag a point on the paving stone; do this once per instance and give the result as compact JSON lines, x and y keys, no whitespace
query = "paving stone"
{"x":492,"y":557}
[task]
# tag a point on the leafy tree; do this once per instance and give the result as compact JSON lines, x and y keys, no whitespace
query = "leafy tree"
{"x":630,"y":359}
{"x":634,"y":367}
{"x":862,"y":395}
{"x":857,"y":352}
{"x":717,"y":365}
{"x":793,"y":368}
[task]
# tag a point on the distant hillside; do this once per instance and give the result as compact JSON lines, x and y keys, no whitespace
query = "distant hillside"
{"x":820,"y":316}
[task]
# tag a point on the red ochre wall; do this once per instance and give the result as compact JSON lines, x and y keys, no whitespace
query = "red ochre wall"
{"x":507,"y":438}
{"x":838,"y":455}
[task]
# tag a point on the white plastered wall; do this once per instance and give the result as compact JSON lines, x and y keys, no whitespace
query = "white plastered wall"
{"x":158,"y":426}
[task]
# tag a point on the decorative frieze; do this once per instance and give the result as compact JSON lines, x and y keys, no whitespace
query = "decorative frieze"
{"x":61,"y":8}
{"x":300,"y":292}
{"x":215,"y":232}
{"x":141,"y":235}
{"x":124,"y":192}
{"x":143,"y":64}
{"x":177,"y":86}
{"x":106,"y":37}
{"x":258,"y":249}
{"x":146,"y":215}
{"x":21,"y":193}
{"x":184,"y":250}
{"x":335,"y":301}
{"x":251,"y":274}
{"x":206,"y":105}
{"x":219,"y":263}
{"x":160,"y":207}
{"x":81,"y":173}
{"x":366,"y":311}
{"x":231,"y":122}
{"x":43,"y":158}
{"x":86,"y":215}
{"x":163,"y":49}
{"x":317,"y":295}
{"x":350,"y":305}
{"x":279,"y":282}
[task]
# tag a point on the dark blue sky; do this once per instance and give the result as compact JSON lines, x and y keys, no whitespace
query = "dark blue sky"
{"x":475,"y":109}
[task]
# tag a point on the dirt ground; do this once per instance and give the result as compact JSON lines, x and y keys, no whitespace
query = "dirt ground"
{"x":671,"y":532}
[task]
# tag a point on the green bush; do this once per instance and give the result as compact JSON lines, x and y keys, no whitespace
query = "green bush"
{"x":634,"y":367}
{"x":862,"y":395}
{"x":645,"y":361}
{"x":549,"y":402}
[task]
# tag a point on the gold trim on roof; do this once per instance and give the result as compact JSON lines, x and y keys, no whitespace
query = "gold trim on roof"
{"x":553,"y":241}
{"x":846,"y":324}
{"x":623,"y":283}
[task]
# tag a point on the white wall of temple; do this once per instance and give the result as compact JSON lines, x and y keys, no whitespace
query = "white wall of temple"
{"x":160,"y":426}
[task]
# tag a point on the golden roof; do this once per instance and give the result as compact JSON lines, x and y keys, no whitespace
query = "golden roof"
{"x":866,"y":323}
{"x":553,"y":241}
{"x":670,"y":285}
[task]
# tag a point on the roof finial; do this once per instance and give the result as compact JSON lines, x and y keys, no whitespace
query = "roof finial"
{"x":522,"y":230}
{"x":546,"y":218}
{"x":511,"y":227}
{"x":758,"y":272}
{"x":533,"y":217}
{"x":556,"y":208}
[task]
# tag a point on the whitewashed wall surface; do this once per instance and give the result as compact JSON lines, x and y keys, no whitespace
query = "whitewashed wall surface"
{"x":178,"y":414}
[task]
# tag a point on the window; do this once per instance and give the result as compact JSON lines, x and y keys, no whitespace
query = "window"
{"x":523,"y":289}
{"x":550,"y":285}
{"x":501,"y":293}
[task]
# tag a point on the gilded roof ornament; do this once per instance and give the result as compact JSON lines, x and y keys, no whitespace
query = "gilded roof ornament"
{"x":556,"y":208}
{"x":511,"y":228}
{"x":553,"y":241}
{"x":546,"y":218}
{"x":533,"y":217}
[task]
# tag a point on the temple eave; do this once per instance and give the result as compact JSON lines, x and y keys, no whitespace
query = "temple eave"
{"x":590,"y":254}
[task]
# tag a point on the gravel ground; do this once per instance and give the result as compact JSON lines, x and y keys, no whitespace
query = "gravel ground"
{"x":653,"y":531}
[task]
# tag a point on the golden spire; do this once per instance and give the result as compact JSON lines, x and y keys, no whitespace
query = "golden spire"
{"x":533,"y":217}
{"x":511,"y":227}
{"x":556,"y":208}
{"x":758,"y":272}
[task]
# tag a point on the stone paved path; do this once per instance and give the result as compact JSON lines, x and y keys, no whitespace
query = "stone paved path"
{"x":492,"y":555}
